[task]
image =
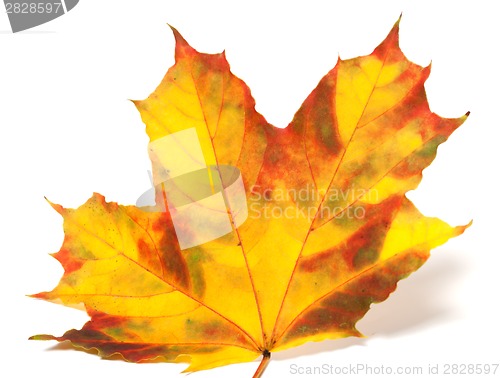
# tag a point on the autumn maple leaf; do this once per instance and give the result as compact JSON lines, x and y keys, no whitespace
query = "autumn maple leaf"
{"x":262,"y":238}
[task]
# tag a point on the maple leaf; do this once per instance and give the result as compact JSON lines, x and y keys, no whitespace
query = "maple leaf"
{"x":326,"y":230}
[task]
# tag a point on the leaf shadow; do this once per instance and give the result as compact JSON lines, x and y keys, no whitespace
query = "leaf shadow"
{"x":422,"y":300}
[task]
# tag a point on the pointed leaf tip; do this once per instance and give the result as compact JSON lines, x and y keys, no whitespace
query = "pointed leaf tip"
{"x":136,"y":103}
{"x":468,"y":224}
{"x":395,"y":30}
{"x":42,"y":337}
{"x":182,"y":48}
{"x":55,"y":206}
{"x":42,"y":295}
{"x":464,"y":117}
{"x":391,"y":41}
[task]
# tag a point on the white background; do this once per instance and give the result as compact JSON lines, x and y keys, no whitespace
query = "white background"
{"x":67,"y":129}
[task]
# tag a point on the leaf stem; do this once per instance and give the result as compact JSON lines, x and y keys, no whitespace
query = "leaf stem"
{"x":266,"y":357}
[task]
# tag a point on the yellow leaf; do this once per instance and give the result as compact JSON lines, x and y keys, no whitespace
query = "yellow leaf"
{"x":261,"y":239}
